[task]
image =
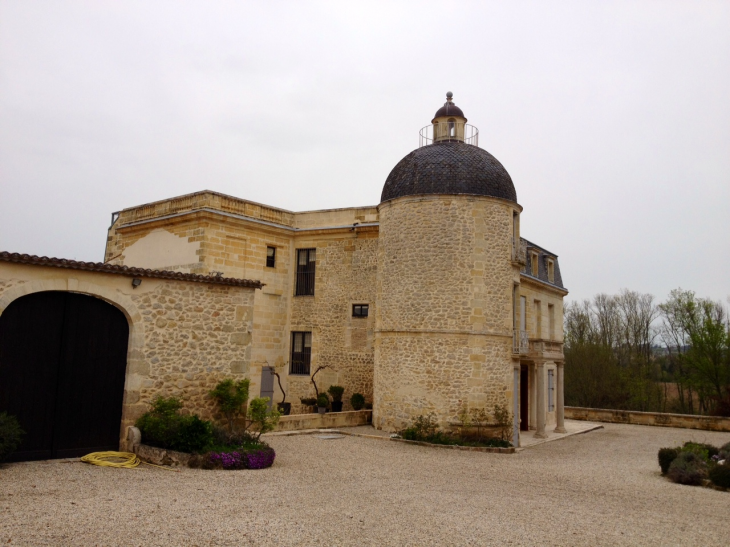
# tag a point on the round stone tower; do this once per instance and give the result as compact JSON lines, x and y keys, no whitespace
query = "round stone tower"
{"x":449,"y":220}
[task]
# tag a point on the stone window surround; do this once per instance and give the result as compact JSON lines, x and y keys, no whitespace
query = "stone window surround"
{"x":306,"y":356}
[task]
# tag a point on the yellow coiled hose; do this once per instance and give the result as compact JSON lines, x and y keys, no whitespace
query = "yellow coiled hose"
{"x":125,"y":460}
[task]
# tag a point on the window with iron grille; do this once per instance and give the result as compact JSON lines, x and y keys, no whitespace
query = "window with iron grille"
{"x":360,"y":310}
{"x":305,"y":272}
{"x":270,"y":257}
{"x":301,"y":352}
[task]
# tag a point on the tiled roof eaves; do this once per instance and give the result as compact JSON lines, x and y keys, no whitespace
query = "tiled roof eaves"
{"x":34,"y":260}
{"x":543,"y":282}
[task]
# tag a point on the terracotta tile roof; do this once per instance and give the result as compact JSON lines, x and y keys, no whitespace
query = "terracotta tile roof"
{"x":18,"y":258}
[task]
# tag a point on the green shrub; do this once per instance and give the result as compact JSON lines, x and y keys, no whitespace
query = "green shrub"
{"x":336,"y":392}
{"x":666,"y":457}
{"x":357,"y":401}
{"x":323,"y":401}
{"x":503,"y":418}
{"x":688,"y":468}
{"x":705,"y":451}
{"x":231,"y":397}
{"x":308,"y":401}
{"x":263,"y":419}
{"x":720,"y":475}
{"x":164,"y":427}
{"x":11,"y":435}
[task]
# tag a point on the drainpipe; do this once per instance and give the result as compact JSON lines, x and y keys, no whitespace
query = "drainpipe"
{"x":516,"y":408}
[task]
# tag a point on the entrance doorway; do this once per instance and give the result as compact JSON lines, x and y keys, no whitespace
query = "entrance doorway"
{"x":524,"y":399}
{"x":63,"y":360}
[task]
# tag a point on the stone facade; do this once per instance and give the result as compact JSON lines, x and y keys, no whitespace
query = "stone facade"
{"x":231,"y":236}
{"x":444,"y":320}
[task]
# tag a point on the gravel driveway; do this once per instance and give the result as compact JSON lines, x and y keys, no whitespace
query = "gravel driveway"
{"x":601,"y":488}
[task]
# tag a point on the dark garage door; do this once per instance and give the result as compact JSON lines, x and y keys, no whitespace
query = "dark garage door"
{"x":63,"y":359}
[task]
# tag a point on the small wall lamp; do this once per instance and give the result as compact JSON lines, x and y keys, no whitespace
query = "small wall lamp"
{"x":136,"y":282}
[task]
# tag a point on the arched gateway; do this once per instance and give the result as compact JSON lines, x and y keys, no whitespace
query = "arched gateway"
{"x":63,"y":360}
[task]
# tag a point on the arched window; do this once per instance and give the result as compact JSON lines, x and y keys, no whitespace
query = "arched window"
{"x":452,"y":127}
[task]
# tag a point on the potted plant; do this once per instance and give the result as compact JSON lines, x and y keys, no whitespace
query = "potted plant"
{"x":283,"y":406}
{"x":357,"y":401}
{"x":336,"y":392}
{"x":323,"y":401}
{"x":309,"y":401}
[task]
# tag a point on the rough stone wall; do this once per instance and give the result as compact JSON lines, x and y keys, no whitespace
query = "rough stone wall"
{"x":444,"y":317}
{"x":184,"y":336}
{"x":195,"y":335}
{"x":346,"y":269}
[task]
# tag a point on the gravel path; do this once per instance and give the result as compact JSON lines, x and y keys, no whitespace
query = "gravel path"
{"x":601,"y":488}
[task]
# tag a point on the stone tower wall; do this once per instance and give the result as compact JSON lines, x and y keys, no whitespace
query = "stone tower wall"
{"x":444,"y":314}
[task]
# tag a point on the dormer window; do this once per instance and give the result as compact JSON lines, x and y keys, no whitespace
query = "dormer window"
{"x":534,"y":264}
{"x":551,"y":270}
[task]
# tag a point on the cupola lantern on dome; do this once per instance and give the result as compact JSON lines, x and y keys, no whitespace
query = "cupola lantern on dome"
{"x":449,"y":161}
{"x":449,"y":125}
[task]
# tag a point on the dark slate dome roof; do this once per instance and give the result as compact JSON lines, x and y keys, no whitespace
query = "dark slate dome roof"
{"x":449,"y":168}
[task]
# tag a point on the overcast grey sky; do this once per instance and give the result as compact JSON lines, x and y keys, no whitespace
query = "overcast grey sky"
{"x":613,"y":118}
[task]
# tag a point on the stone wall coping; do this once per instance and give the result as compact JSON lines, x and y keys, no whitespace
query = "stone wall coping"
{"x":661,"y":419}
{"x":33,"y":260}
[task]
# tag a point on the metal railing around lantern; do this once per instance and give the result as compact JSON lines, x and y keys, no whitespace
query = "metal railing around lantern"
{"x":448,"y":132}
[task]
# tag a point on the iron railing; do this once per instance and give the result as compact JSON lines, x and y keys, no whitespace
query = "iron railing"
{"x":448,"y":132}
{"x":520,"y":341}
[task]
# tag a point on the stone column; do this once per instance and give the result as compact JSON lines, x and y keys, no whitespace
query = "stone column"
{"x":516,"y":407}
{"x":560,"y":428}
{"x":540,"y":406}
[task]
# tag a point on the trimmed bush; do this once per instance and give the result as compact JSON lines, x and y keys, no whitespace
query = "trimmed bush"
{"x":164,"y":427}
{"x":720,"y":475}
{"x":688,"y":468}
{"x":666,"y":457}
{"x":323,"y":401}
{"x":11,"y":435}
{"x":357,"y":401}
{"x":336,"y":392}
